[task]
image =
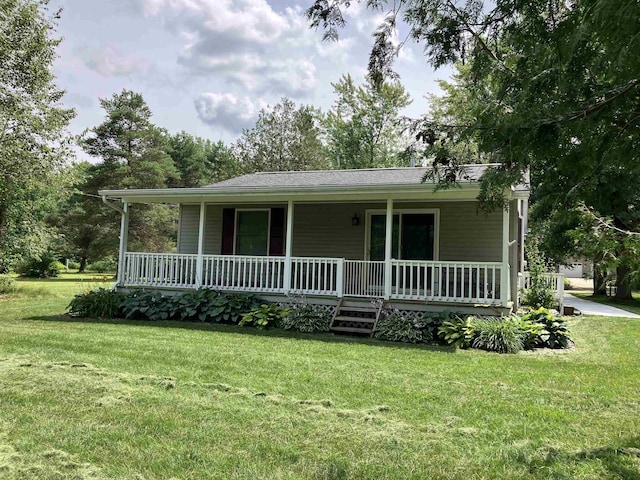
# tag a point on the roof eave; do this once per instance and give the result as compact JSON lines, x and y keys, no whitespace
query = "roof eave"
{"x":182,"y":195}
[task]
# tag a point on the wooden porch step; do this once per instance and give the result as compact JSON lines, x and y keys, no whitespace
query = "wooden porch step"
{"x":346,"y":318}
{"x":351,"y":330}
{"x":361,"y":318}
{"x":372,"y":310}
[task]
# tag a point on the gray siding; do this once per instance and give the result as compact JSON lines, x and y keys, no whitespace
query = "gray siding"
{"x":188,"y":232}
{"x":325,"y":230}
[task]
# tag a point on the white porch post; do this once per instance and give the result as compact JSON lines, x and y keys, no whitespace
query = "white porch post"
{"x":124,"y":239}
{"x":200,"y":260}
{"x":505,"y":287}
{"x":288,"y":248}
{"x":525,"y":227}
{"x":388,"y":242}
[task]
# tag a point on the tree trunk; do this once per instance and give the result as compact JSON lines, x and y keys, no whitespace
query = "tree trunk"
{"x":623,"y":271}
{"x":83,"y":264}
{"x":623,"y":286}
{"x":599,"y":278}
{"x":3,"y":229}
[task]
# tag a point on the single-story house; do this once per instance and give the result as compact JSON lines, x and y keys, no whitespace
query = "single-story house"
{"x":338,"y":237}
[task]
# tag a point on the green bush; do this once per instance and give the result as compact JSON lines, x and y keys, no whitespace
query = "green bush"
{"x":531,"y":332}
{"x":540,"y":293}
{"x":304,"y":317}
{"x":106,"y":265}
{"x":101,"y":303}
{"x":398,"y":327}
{"x":555,"y":333}
{"x":7,"y":284}
{"x":73,"y":265}
{"x":206,"y":305}
{"x":458,"y":331}
{"x":264,"y":316}
{"x":143,"y":305}
{"x":45,"y":266}
{"x":501,"y":335}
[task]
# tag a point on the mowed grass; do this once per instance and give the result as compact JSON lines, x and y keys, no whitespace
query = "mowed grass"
{"x":134,"y":400}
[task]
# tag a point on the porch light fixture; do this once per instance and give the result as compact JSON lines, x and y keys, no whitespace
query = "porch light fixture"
{"x":355,"y":220}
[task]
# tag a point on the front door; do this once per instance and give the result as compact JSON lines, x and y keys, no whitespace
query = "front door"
{"x":413,"y":236}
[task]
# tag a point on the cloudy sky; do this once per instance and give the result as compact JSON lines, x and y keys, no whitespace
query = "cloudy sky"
{"x":208,"y":66}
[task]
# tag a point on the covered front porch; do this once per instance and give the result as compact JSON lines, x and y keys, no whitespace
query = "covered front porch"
{"x":428,"y":281}
{"x":401,"y":250}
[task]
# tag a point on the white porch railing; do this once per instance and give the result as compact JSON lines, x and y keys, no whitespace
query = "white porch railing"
{"x":160,"y":270}
{"x":316,"y":276}
{"x":455,"y":282}
{"x":555,"y":281}
{"x":244,"y":273}
{"x":459,"y":282}
{"x":363,"y":278}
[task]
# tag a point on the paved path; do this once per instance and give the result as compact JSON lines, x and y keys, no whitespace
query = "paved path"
{"x":592,"y":308}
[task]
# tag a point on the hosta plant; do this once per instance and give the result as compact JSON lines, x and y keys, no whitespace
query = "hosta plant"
{"x":264,"y":316}
{"x":458,"y":331}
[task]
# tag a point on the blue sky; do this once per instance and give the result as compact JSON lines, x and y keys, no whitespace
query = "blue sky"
{"x":208,"y":66}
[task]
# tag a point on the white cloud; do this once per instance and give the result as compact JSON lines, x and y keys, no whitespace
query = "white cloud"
{"x":245,"y":43}
{"x":226,"y":111}
{"x":110,"y":62}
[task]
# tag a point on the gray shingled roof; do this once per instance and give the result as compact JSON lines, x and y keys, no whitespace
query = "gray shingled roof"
{"x":360,"y":177}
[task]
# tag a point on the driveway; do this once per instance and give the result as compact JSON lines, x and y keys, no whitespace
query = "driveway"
{"x":587,"y":307}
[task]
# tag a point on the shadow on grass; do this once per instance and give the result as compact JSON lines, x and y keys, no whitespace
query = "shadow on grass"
{"x":273,"y":332}
{"x":619,"y":462}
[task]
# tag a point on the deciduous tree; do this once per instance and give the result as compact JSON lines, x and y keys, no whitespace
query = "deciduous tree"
{"x":364,"y":128}
{"x":32,"y":126}
{"x":555,"y":87}
{"x":285,"y":137}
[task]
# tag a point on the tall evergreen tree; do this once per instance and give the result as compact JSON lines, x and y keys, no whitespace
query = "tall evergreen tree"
{"x":134,"y":154}
{"x":200,"y":162}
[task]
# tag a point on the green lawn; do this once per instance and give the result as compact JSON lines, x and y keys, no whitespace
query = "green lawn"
{"x":632,"y":306}
{"x":134,"y":400}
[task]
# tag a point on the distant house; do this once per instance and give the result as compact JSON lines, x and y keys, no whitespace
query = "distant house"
{"x":339,"y":236}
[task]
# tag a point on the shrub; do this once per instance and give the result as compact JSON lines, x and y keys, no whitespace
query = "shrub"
{"x":264,"y":316}
{"x":501,"y":335}
{"x":396,"y":327}
{"x":458,"y":331}
{"x":7,"y":284}
{"x":207,"y":305}
{"x":531,"y":332}
{"x":143,"y":305}
{"x":555,"y":333}
{"x":73,"y":265}
{"x":101,"y":303}
{"x":45,"y":266}
{"x":304,"y":317}
{"x":540,"y":293}
{"x":103,"y":266}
